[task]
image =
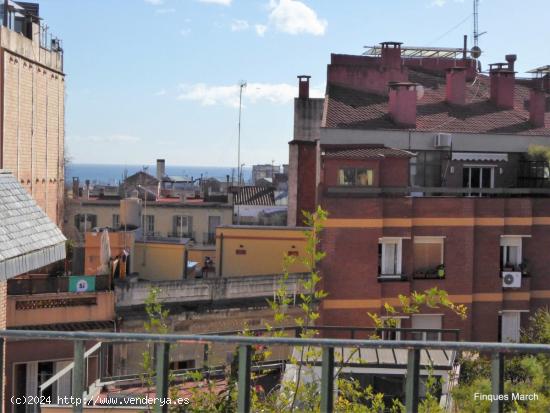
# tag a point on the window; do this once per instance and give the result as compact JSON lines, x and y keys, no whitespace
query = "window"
{"x":149,"y":224}
{"x":425,"y":169}
{"x":510,"y":326}
{"x":116,"y":221}
{"x":355,"y":177}
{"x":182,"y":225}
{"x":478,"y":177}
{"x":510,"y":253}
{"x":389,"y":256}
{"x":85,"y":222}
{"x":427,"y":321}
{"x":428,"y":254}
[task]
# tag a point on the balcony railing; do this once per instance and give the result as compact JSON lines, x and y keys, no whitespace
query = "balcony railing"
{"x":209,"y":238}
{"x":40,"y":284}
{"x":369,"y":191}
{"x":190,"y":235}
{"x":162,"y":342}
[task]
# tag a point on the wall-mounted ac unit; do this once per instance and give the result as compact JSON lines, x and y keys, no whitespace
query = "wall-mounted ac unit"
{"x":511,"y":279}
{"x":443,"y":140}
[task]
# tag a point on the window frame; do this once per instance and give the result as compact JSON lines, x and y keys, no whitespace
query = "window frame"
{"x":511,"y":241}
{"x":421,"y":239}
{"x":370,"y":174}
{"x":398,"y":259}
{"x":480,"y":167}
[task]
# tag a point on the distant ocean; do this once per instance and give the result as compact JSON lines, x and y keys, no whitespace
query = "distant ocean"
{"x":113,"y":174}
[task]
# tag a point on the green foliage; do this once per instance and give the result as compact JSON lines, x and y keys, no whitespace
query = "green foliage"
{"x":523,"y":374}
{"x":539,"y":152}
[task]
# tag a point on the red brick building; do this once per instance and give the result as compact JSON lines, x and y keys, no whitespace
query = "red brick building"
{"x":423,"y":166}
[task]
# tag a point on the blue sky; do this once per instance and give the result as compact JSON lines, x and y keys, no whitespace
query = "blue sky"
{"x":151,"y":79}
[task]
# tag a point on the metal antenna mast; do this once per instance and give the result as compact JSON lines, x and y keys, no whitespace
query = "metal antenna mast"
{"x":476,"y":22}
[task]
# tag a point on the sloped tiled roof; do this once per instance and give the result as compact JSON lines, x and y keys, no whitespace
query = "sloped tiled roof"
{"x":365,"y":153}
{"x":255,"y":195}
{"x":350,"y":108}
{"x":28,"y":238}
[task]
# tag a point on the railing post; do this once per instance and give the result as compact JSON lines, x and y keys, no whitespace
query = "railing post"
{"x":162,"y":355}
{"x":205,"y":360}
{"x":327,"y":380}
{"x":78,"y":376}
{"x":243,"y":398}
{"x":497,"y":380}
{"x":413,"y":380}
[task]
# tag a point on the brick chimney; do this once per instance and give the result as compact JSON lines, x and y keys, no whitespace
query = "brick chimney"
{"x":537,"y":107}
{"x":390,"y":55}
{"x":502,"y":85}
{"x":303,"y":86}
{"x":456,"y":86}
{"x":402,"y":103}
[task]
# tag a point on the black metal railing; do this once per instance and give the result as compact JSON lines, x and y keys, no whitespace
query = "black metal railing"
{"x":178,"y":234}
{"x":369,"y":191}
{"x":209,"y":238}
{"x":40,"y":284}
{"x":162,"y":343}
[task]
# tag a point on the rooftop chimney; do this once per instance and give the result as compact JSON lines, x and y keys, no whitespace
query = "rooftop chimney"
{"x":503,"y":84}
{"x":537,"y":107}
{"x":511,"y":59}
{"x":402,"y":103}
{"x":161,"y":168}
{"x":391,"y":55}
{"x":456,"y":85}
{"x":303,"y":86}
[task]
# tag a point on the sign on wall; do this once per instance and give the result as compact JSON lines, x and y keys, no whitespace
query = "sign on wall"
{"x":81,"y":284}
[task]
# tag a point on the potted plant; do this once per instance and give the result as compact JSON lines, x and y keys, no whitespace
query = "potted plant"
{"x":441,"y":271}
{"x":524,"y":268}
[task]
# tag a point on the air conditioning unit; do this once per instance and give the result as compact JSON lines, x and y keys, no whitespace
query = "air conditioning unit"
{"x":443,"y":140}
{"x":511,"y":279}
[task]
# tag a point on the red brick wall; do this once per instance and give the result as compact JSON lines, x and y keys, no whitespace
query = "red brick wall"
{"x":307,"y":170}
{"x":471,"y":256}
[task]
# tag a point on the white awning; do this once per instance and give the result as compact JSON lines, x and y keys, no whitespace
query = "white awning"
{"x":480,"y":157}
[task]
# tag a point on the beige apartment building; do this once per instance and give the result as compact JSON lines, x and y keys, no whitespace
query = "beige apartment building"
{"x":193,"y":219}
{"x":32,"y":98}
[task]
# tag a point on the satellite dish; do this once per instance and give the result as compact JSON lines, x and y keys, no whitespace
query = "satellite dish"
{"x":419,"y":92}
{"x":475,"y":52}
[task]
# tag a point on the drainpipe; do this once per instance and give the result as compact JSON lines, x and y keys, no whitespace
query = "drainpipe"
{"x":221,"y":254}
{"x":185,"y":262}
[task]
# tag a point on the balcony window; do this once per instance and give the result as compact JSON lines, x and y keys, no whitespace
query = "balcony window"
{"x":475,"y":177}
{"x":510,"y":253}
{"x":510,"y":326}
{"x":355,"y":177}
{"x":427,"y":321}
{"x":428,"y":257}
{"x":116,"y":221}
{"x":389,"y":257}
{"x":149,"y":224}
{"x":85,"y":222}
{"x":182,"y":225}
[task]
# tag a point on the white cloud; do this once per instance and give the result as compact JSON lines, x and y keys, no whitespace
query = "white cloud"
{"x":441,"y":3}
{"x":185,"y":31}
{"x":294,"y":17}
{"x":220,"y":2}
{"x":165,"y":11}
{"x":114,"y":138}
{"x":155,"y":2}
{"x":239,"y":25}
{"x":208,"y":95}
{"x":161,"y":92}
{"x":260,"y":29}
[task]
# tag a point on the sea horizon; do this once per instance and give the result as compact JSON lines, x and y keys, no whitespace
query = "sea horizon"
{"x":113,"y":174}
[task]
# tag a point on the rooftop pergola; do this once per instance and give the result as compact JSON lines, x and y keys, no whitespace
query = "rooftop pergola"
{"x":412,"y":51}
